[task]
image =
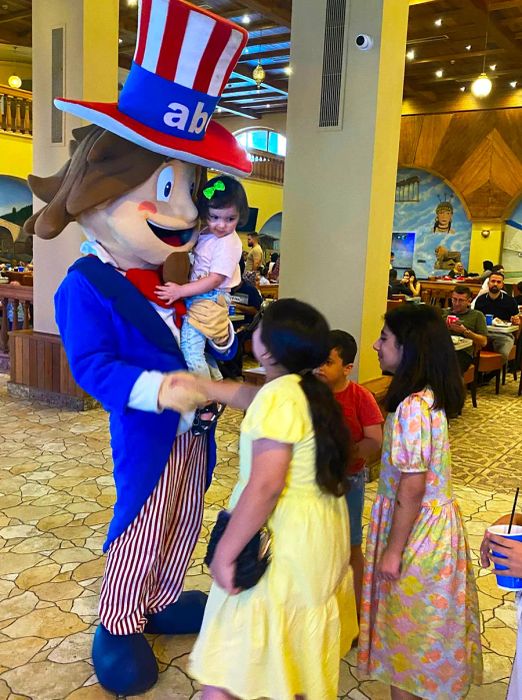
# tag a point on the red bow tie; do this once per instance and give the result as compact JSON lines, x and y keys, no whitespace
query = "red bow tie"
{"x":147,"y":281}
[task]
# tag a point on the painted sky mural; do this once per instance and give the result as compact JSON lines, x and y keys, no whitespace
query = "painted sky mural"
{"x":426,"y":207}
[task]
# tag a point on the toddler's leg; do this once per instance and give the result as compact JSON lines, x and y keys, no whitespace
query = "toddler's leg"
{"x":193,"y":349}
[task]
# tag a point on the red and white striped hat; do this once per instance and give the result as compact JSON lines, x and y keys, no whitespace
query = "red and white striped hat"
{"x":183,"y":59}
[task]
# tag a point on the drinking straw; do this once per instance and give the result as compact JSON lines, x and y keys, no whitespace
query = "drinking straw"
{"x":513,"y":511}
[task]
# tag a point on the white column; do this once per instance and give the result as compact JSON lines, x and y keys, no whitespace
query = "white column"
{"x":90,"y":71}
{"x":340,"y":180}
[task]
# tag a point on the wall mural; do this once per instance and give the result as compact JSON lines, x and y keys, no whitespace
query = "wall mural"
{"x":16,"y":205}
{"x":431,"y":231}
{"x":512,"y":248}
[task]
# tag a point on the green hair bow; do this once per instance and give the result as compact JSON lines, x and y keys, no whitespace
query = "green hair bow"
{"x":218,"y":186}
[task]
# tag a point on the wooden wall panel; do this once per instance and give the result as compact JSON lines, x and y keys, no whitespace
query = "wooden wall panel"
{"x":38,"y":360}
{"x":479,"y":153}
{"x":434,"y":127}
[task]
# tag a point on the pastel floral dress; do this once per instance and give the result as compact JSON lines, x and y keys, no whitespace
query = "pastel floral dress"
{"x":421,"y":633}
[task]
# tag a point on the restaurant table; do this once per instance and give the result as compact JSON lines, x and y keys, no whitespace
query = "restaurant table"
{"x":461,"y":343}
{"x":492,"y":329}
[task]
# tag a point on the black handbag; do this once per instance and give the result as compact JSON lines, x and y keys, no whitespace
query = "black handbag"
{"x":253,"y":559}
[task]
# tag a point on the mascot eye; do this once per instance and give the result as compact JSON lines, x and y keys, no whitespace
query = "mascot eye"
{"x":165,"y":183}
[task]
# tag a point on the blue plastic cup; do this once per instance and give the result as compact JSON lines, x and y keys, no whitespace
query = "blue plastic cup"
{"x":489,"y":319}
{"x":507,"y":583}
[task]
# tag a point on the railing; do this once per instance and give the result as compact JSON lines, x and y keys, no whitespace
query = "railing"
{"x":16,"y":111}
{"x":267,"y":166}
{"x":17,"y":295}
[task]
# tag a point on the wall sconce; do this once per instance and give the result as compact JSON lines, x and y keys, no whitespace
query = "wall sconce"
{"x":485,"y":233}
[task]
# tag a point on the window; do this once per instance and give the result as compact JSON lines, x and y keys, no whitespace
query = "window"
{"x":263,"y":140}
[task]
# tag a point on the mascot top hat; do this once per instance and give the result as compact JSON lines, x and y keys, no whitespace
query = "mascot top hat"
{"x":184,"y":56}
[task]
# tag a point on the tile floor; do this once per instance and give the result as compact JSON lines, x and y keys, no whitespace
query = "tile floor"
{"x":55,"y":502}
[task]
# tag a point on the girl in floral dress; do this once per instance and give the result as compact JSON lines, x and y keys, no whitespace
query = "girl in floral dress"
{"x":420,"y":628}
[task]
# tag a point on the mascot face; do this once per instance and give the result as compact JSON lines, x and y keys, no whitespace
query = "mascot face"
{"x":148,"y":223}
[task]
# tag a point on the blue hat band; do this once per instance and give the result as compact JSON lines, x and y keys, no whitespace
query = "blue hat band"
{"x":165,"y":106}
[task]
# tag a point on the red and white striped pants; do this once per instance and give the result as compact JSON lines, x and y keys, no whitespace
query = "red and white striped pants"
{"x":147,"y":563}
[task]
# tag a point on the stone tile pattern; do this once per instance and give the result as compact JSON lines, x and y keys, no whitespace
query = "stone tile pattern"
{"x":56,"y":495}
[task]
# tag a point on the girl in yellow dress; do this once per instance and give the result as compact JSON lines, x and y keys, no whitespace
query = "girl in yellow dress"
{"x":283,"y":638}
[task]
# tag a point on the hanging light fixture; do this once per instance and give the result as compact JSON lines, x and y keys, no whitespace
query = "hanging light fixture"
{"x":481,"y":86}
{"x":14,"y":81}
{"x":259,"y":72}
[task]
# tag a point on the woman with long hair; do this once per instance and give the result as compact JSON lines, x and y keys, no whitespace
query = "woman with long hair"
{"x":420,"y":625}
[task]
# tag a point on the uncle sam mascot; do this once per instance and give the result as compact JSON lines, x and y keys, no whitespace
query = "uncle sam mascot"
{"x":131,"y":184}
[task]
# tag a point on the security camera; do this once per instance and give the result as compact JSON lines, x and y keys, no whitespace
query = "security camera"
{"x":363,"y":42}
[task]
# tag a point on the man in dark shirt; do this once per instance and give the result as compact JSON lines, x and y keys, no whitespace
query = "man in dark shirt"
{"x":247,"y":301}
{"x":500,"y":305}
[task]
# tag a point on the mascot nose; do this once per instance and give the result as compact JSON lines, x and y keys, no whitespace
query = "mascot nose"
{"x":183,"y":207}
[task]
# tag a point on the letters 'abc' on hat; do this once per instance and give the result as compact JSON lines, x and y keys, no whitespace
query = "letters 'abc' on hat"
{"x":183,"y":59}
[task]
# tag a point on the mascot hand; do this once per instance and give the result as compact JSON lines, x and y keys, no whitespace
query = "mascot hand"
{"x":211,"y":319}
{"x":180,"y":392}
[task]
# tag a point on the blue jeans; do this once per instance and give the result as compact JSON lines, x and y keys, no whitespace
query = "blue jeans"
{"x":355,"y":502}
{"x":193,"y":342}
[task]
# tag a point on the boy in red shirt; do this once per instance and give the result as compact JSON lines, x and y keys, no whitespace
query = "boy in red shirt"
{"x":364,"y":419}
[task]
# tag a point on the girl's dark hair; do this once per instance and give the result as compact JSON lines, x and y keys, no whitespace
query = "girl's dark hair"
{"x":487,"y":264}
{"x":411,"y":273}
{"x":233,"y":195}
{"x":297,"y":337}
{"x":428,"y":358}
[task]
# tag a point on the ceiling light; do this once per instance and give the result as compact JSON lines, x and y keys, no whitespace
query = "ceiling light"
{"x":438,"y":22}
{"x":259,"y":74}
{"x":120,"y":40}
{"x":14,"y":81}
{"x":463,"y":88}
{"x":439,"y":73}
{"x":481,"y":87}
{"x":245,"y":19}
{"x":246,"y":49}
{"x":268,"y":106}
{"x":288,"y":70}
{"x":513,"y":83}
{"x":468,"y":47}
{"x":410,"y":55}
{"x":493,"y":66}
{"x":132,"y":3}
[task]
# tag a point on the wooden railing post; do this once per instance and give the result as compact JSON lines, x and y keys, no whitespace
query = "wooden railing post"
{"x":15,"y":110}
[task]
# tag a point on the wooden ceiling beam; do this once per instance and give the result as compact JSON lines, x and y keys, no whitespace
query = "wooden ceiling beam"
{"x":277,"y":11}
{"x":455,"y":56}
{"x":478,"y":10}
{"x":271,"y":39}
{"x":14,"y":38}
{"x":274,"y":53}
{"x":504,"y":5}
{"x":14,"y":16}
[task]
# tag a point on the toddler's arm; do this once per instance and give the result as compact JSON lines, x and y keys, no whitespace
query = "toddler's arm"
{"x":408,"y":501}
{"x":171,"y":292}
{"x":270,"y":462}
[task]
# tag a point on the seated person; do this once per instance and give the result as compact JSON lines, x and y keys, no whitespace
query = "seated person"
{"x":498,"y":303}
{"x":247,"y":301}
{"x":458,"y":271}
{"x":394,"y":285}
{"x":411,"y":284}
{"x":471,"y":324}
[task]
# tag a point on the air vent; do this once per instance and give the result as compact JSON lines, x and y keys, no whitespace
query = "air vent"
{"x":57,"y":51}
{"x":333,"y":62}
